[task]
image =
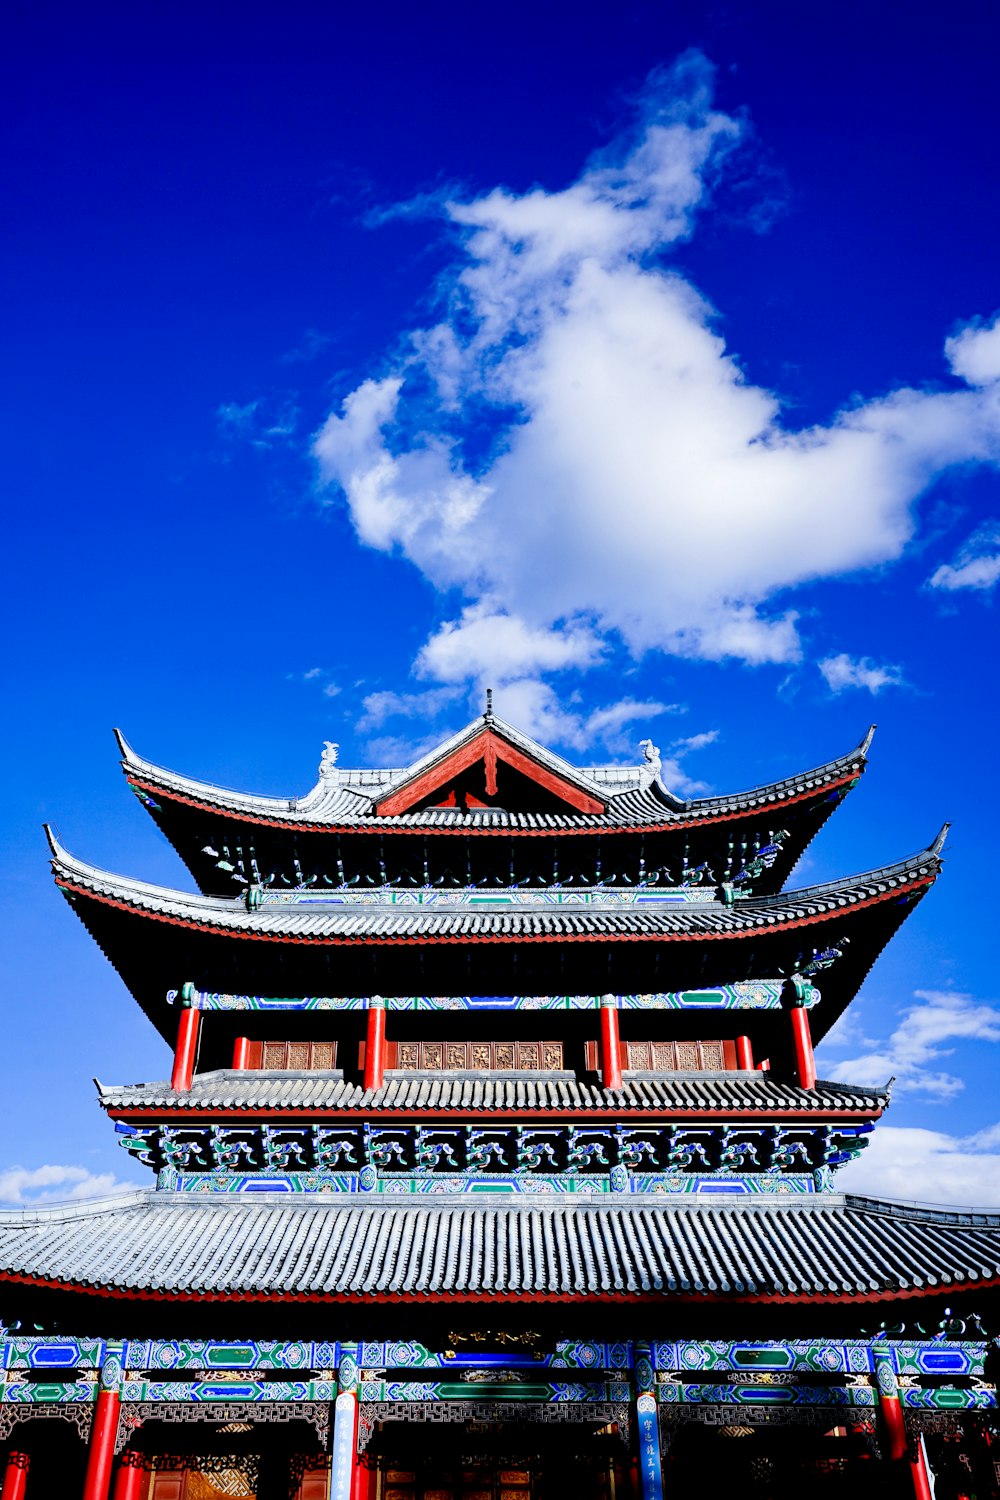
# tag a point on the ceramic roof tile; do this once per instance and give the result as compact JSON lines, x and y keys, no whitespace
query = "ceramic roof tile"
{"x":740,"y":1093}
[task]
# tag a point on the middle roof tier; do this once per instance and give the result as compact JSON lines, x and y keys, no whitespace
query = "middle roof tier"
{"x":159,"y":939}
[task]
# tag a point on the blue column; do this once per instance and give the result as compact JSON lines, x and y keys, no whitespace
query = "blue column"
{"x":647,"y":1425}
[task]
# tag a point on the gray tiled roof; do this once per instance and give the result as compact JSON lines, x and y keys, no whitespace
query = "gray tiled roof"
{"x":349,"y":798}
{"x":301,"y":1092}
{"x":184,"y":1246}
{"x":367,"y":923}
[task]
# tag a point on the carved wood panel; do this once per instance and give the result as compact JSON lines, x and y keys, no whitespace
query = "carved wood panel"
{"x":304,"y":1057}
{"x":534,"y":1057}
{"x":670,"y":1056}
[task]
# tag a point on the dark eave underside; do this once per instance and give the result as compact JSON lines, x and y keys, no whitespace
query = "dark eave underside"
{"x":166,"y":1245}
{"x":160,"y":939}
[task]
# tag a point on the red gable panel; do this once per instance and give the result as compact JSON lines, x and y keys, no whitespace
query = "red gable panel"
{"x":489,"y":748}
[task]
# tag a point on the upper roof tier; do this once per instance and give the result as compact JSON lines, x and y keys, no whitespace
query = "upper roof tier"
{"x":159,"y":939}
{"x":490,"y":806}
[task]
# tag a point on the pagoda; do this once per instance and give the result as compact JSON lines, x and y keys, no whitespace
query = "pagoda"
{"x":493,"y":1163}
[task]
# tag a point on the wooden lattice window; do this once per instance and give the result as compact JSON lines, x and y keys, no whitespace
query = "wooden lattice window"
{"x":680,"y":1057}
{"x":670,"y":1057}
{"x":533,"y":1057}
{"x":302,"y":1057}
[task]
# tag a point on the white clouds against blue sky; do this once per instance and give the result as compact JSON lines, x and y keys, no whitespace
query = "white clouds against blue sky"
{"x":24,"y":1187}
{"x":646,"y":470}
{"x":924,"y":1036}
{"x":841,"y":672}
{"x":636,"y":484}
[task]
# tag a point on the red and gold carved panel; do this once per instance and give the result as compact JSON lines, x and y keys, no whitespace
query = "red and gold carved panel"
{"x":513,"y":1057}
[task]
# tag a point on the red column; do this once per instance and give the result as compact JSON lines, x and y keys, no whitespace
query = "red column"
{"x":187,"y":1047}
{"x":15,"y":1475}
{"x":744,"y":1053}
{"x":805,"y":1062}
{"x":375,"y":1044}
{"x":102,"y":1445}
{"x":894,"y":1426}
{"x":359,"y":1477}
{"x":611,"y":1047}
{"x":919,"y":1471}
{"x":130,"y":1478}
{"x":241,"y":1052}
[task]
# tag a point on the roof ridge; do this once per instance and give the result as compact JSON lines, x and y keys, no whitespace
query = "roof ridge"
{"x":310,"y":805}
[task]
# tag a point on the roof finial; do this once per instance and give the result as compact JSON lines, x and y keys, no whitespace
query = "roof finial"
{"x":938,"y":843}
{"x":489,"y":704}
{"x":651,"y":765}
{"x":328,"y":762}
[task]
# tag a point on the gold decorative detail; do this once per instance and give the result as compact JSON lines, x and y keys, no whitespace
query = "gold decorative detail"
{"x":490,"y":1338}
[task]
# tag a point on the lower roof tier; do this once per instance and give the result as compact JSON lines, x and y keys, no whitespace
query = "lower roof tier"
{"x":237,"y":1095}
{"x":187,"y":1249}
{"x":160,"y":939}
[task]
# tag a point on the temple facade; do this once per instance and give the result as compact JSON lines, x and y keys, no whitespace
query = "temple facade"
{"x":493,"y":1163}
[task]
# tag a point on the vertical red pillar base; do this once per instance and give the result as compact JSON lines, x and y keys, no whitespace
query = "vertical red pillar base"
{"x":241,"y":1053}
{"x":15,"y":1475}
{"x":919,"y":1473}
{"x":744,"y":1053}
{"x":611,"y":1047}
{"x":102,"y":1445}
{"x":375,"y":1044}
{"x":805,"y":1061}
{"x":131,"y":1477}
{"x":186,"y":1049}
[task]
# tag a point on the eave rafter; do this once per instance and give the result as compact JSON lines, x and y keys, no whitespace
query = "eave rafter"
{"x":650,"y":934}
{"x":470,"y":827}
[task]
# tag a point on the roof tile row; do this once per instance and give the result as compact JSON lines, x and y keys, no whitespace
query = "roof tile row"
{"x":176,"y":1246}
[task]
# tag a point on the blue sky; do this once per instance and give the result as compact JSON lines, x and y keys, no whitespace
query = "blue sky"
{"x":640,"y":362}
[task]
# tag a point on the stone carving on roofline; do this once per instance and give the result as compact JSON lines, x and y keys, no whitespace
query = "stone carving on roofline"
{"x":328,"y":769}
{"x":649,"y":771}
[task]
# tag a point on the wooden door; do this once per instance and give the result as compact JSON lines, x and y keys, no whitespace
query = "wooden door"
{"x":315,"y":1485}
{"x":169,"y":1486}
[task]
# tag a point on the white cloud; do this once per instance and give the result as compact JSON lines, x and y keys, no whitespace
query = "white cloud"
{"x":928,"y":1166}
{"x":974,"y":352}
{"x":397,"y":751}
{"x":535,"y":707}
{"x":638,"y":484}
{"x":976,"y":564}
{"x":842,"y":671}
{"x":492,"y":646}
{"x":264,"y":423}
{"x":24,"y":1186}
{"x":613,"y":724}
{"x":918,"y":1044}
{"x":385,"y":704}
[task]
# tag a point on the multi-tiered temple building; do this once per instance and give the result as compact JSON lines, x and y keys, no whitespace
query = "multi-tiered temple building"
{"x":493,"y":1164}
